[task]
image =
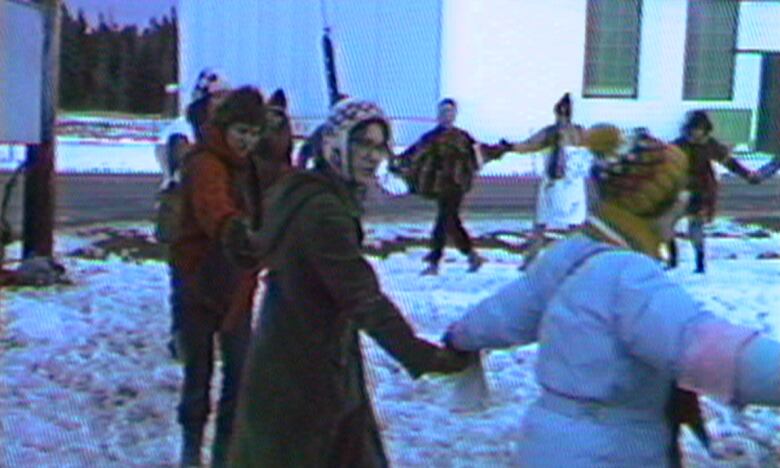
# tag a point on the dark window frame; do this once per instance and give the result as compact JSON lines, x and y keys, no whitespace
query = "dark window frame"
{"x":587,"y":77}
{"x":689,"y":95}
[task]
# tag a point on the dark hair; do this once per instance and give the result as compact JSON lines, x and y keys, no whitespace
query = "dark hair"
{"x":448,"y":101}
{"x":563,"y":106}
{"x":698,"y":119}
{"x":244,"y":105}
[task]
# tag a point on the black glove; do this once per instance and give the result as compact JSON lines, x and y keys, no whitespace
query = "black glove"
{"x":448,"y":361}
{"x":446,"y":340}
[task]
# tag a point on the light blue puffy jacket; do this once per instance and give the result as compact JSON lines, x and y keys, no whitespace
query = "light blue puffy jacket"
{"x":614,"y":335}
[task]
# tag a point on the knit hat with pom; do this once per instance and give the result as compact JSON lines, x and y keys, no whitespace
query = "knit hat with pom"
{"x":208,"y":82}
{"x":345,"y":116}
{"x":646,"y":181}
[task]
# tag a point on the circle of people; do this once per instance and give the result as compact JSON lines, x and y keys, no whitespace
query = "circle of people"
{"x":234,"y":206}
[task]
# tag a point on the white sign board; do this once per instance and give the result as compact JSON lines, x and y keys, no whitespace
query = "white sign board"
{"x":21,"y":55}
{"x":759,"y":24}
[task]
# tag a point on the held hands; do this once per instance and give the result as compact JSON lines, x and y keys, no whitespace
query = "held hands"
{"x":449,"y":361}
{"x":492,"y":152}
{"x":754,"y":177}
{"x":444,"y":359}
{"x":461,"y":359}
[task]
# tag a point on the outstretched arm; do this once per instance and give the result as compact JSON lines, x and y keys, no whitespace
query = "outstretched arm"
{"x":661,"y":325}
{"x":509,"y":317}
{"x":333,"y":250}
{"x":724,"y":156}
{"x":536,"y":142}
{"x":769,"y":169}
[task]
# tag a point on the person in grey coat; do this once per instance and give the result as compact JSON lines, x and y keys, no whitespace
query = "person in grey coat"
{"x":616,"y":335}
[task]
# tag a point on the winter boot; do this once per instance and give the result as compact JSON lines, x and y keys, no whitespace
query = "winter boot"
{"x":222,"y":436}
{"x":431,"y":270}
{"x":672,"y":250}
{"x":699,"y":261}
{"x":190,"y":448}
{"x":219,"y":451}
{"x":475,"y":261}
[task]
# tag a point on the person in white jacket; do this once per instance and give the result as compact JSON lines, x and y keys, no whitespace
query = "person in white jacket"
{"x":616,"y":335}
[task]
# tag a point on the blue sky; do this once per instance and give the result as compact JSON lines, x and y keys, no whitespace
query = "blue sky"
{"x":123,"y":11}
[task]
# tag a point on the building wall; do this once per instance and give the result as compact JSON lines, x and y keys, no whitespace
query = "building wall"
{"x":385,"y":51}
{"x":508,"y":62}
{"x":759,"y":23}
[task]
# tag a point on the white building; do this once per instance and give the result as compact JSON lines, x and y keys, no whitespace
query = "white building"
{"x":630,"y":62}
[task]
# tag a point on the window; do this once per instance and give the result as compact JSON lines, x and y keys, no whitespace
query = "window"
{"x":711,"y":37}
{"x":612,"y":48}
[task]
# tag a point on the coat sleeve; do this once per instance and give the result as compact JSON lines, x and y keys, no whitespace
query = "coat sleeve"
{"x":660,"y":324}
{"x":333,"y":250}
{"x":722,"y":154}
{"x":509,"y":317}
{"x":412,"y":149}
{"x":536,"y":142}
{"x":210,"y":194}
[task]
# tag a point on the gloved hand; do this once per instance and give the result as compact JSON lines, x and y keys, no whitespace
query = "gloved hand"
{"x":493,"y":152}
{"x":236,"y":240}
{"x":446,"y":340}
{"x":754,"y":178}
{"x":448,"y":361}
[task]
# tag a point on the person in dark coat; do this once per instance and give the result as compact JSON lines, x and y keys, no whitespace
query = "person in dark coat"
{"x":304,"y":401}
{"x":215,"y":294}
{"x":445,"y":175}
{"x":703,"y":149}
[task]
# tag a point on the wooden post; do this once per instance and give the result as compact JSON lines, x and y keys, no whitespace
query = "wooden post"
{"x":38,"y":218}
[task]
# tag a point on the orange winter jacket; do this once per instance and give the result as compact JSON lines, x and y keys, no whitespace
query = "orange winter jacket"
{"x":212,"y":195}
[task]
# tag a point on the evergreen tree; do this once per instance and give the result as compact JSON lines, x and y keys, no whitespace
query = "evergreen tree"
{"x":70,"y":90}
{"x":113,"y":68}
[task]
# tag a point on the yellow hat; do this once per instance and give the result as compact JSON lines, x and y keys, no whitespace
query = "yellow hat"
{"x":603,"y":138}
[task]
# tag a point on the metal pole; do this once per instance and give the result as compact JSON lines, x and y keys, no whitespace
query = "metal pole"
{"x":38,"y":218}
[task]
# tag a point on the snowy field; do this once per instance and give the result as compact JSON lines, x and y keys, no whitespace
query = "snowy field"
{"x":85,"y":379}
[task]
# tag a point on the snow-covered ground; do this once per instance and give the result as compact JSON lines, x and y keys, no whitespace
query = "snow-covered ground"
{"x":85,"y":379}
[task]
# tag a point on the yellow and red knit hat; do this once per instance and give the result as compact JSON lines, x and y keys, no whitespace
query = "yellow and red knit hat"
{"x":645,"y":181}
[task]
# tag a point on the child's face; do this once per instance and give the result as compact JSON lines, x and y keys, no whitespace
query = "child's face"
{"x":697,"y":134}
{"x":447,"y":114}
{"x":242,"y":138}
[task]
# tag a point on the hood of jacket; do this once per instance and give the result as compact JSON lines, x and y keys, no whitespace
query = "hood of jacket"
{"x":284,"y":200}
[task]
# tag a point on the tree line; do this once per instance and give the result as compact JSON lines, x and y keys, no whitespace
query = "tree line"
{"x":111,"y":68}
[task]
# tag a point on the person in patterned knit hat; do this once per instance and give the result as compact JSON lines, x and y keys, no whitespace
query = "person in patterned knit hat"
{"x":600,"y":299}
{"x":304,"y":400}
{"x":211,"y":86}
{"x":703,"y":149}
